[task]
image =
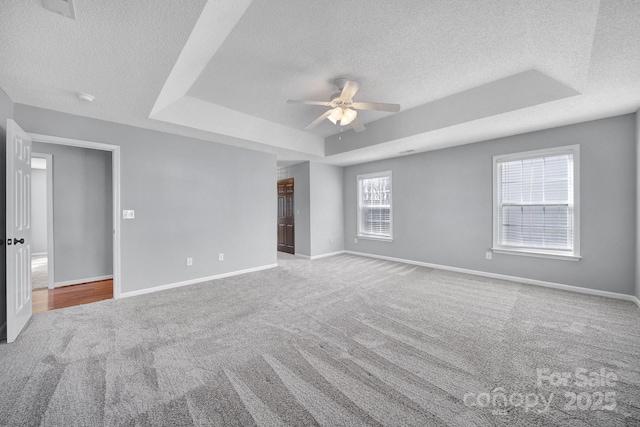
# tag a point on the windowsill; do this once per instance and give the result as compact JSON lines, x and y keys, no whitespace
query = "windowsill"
{"x":538,"y":254}
{"x":383,"y":239}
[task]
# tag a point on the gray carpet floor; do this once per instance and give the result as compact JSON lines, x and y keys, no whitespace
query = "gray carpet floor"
{"x":39,"y":272}
{"x":344,"y":340}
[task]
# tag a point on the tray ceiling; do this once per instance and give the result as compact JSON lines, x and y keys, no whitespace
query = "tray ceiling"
{"x":222,"y":70}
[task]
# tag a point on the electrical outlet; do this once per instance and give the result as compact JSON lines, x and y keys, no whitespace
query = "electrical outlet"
{"x":355,"y":240}
{"x":488,"y":255}
{"x":128,"y":214}
{"x":220,"y":257}
{"x":189,"y":262}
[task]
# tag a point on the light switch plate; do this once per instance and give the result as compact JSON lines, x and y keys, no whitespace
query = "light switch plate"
{"x":128,"y":214}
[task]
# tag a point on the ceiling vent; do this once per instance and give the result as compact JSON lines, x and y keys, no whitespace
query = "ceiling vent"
{"x":63,"y":7}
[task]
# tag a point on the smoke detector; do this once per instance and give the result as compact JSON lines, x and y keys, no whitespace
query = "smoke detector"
{"x":63,"y":7}
{"x":87,"y":97}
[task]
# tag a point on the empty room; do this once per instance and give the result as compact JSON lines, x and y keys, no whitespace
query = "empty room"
{"x":335,"y":213}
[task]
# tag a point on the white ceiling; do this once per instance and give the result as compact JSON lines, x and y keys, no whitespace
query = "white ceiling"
{"x":222,"y":70}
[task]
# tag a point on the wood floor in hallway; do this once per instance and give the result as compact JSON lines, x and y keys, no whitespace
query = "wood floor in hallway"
{"x":68,"y":296}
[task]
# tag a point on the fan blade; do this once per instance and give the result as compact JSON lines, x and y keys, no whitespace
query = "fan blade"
{"x":349,"y":90}
{"x":377,"y":106}
{"x":293,"y":101}
{"x":317,"y":121}
{"x":357,"y":125}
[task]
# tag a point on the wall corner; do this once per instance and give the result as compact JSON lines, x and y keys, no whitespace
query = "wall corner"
{"x":637,"y":257}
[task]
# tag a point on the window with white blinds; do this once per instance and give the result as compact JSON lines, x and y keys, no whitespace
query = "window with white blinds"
{"x":535,"y":202}
{"x":374,"y":205}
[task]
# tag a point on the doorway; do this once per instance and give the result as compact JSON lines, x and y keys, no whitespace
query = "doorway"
{"x":18,"y":207}
{"x":286,"y":223}
{"x":42,"y":257}
{"x":83,"y":224}
{"x":99,"y":285}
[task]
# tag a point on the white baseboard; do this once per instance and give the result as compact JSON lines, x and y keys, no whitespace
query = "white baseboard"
{"x":80,"y":281}
{"x":194,"y":281}
{"x":3,"y":331}
{"x":38,"y":253}
{"x":327,"y":255}
{"x":321,"y":255}
{"x":570,"y":288}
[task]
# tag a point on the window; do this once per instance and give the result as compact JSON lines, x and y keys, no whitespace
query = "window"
{"x":374,"y":205}
{"x":536,"y":203}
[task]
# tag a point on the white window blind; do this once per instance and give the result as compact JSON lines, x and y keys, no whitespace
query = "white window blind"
{"x":374,"y":205}
{"x":535,"y":201}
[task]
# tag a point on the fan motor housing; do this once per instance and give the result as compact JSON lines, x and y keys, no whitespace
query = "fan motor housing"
{"x":336,"y":101}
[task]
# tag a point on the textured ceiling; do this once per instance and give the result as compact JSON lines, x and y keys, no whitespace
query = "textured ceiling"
{"x":410,"y":55}
{"x":120,"y":51}
{"x":222,"y":70}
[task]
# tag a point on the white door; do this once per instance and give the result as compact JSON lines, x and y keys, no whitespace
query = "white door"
{"x":18,"y":229}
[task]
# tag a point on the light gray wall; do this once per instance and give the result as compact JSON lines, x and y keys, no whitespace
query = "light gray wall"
{"x":82,"y":212}
{"x":326,"y":208}
{"x":192,"y":198}
{"x":6,"y":112}
{"x":38,"y":211}
{"x":442,"y":206}
{"x":301,"y":204}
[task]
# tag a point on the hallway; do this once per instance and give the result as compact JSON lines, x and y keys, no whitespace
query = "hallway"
{"x":68,"y":296}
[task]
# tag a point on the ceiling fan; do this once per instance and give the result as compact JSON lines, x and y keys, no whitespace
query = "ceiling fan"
{"x":343,"y":107}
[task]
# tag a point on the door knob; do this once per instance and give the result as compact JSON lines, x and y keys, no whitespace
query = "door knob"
{"x":16,"y":241}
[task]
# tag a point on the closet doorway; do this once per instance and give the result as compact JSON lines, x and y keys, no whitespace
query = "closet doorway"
{"x":286,"y":225}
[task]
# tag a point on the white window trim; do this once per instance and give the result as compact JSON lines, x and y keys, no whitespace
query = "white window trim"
{"x":359,"y":206}
{"x":537,"y":252}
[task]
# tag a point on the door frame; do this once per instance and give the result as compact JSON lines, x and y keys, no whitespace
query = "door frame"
{"x":50,"y":247}
{"x":115,"y":166}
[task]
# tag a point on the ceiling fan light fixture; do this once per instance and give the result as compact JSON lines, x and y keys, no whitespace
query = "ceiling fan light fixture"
{"x":347,"y":116}
{"x":336,"y":114}
{"x":342,"y":107}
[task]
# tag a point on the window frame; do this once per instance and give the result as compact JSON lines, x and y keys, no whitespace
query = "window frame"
{"x":359,"y":206}
{"x":569,"y":255}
